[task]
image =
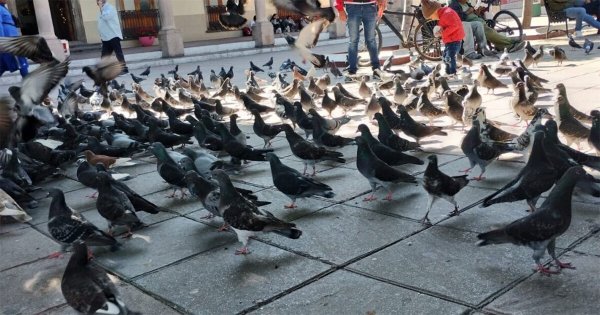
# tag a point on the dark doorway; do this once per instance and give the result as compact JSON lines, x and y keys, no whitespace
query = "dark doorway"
{"x":62,"y":18}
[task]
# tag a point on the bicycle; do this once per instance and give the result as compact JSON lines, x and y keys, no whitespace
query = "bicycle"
{"x":504,"y":22}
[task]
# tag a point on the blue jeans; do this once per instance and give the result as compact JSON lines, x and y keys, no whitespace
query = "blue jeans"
{"x":450,"y":52}
{"x":367,"y":14}
{"x":580,"y":16}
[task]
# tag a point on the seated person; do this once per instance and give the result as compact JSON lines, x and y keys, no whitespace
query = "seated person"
{"x":467,"y":13}
{"x":475,"y":34}
{"x":574,"y":9}
{"x":276,"y":23}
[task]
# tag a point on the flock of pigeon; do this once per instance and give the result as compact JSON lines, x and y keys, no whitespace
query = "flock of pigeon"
{"x":204,"y":125}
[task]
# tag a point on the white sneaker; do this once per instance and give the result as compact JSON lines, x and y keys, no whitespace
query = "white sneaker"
{"x":578,"y":34}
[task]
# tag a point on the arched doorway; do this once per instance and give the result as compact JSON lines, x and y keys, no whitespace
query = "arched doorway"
{"x":66,"y":17}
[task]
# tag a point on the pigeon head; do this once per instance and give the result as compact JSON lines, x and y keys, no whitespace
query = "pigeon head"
{"x":80,"y":256}
{"x":272,"y":157}
{"x":362,"y":128}
{"x":539,"y":128}
{"x":54,"y":192}
{"x":190,"y":176}
{"x":103,"y":177}
{"x":595,"y":113}
{"x":158,"y":149}
{"x":433,"y":159}
{"x":287,"y":128}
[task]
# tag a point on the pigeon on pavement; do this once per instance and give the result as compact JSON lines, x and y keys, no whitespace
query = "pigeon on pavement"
{"x":535,"y":178}
{"x":114,"y":206}
{"x":168,"y":169}
{"x":308,"y":152}
{"x":87,"y":287}
{"x":385,"y":153}
{"x":440,"y":185}
{"x":378,"y":172}
{"x":10,"y":208}
{"x":540,"y":229}
{"x":295,"y":185}
{"x":480,"y":152}
{"x":245,"y":218}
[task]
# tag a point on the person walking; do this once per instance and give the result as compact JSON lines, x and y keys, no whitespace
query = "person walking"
{"x":451,"y":29}
{"x":10,"y":62}
{"x":367,"y":12}
{"x":110,"y":32}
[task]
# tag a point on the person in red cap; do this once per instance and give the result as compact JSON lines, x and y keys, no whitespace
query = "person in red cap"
{"x":451,"y":29}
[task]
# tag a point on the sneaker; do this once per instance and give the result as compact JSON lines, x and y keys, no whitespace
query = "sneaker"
{"x":578,"y":34}
{"x":489,"y":53}
{"x":474,"y":55}
{"x":517,"y":46}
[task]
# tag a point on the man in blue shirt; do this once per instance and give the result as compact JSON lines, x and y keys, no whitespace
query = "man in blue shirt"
{"x":110,"y":31}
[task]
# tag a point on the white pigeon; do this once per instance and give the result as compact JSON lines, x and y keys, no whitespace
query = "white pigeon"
{"x":9,"y":207}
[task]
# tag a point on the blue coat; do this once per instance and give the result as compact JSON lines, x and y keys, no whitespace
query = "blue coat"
{"x":9,"y":62}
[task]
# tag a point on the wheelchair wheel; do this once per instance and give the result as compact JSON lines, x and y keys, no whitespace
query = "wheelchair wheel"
{"x":427,"y":45}
{"x":507,"y":24}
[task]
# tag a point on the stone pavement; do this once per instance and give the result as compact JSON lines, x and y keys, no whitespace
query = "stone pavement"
{"x":354,"y":257}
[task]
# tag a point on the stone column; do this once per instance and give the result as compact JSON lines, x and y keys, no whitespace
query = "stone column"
{"x":337,"y":29}
{"x":46,"y":28}
{"x":263,"y":32}
{"x":171,"y":41}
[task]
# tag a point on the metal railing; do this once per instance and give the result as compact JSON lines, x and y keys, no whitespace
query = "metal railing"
{"x":213,"y":13}
{"x":136,"y":23}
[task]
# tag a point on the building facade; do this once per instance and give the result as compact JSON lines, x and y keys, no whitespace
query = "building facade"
{"x":76,"y":20}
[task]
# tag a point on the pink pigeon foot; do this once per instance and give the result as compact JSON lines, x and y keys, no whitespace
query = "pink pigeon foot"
{"x":291,"y":206}
{"x":55,"y":255}
{"x":223,"y":227}
{"x":370,"y":198}
{"x":545,"y":271}
{"x":562,"y":265}
{"x":242,"y":251}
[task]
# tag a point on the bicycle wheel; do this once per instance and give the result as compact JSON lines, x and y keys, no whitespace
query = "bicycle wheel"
{"x":507,"y":24}
{"x":427,"y":45}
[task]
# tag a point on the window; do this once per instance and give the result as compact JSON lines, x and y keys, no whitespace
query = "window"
{"x":213,"y":9}
{"x":139,"y":18}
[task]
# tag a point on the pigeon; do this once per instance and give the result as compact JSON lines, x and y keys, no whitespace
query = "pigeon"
{"x":427,"y":109}
{"x":372,"y":107}
{"x":487,"y":80}
{"x":480,"y":152}
{"x":415,"y":129}
{"x":528,"y":60}
{"x":540,"y":229}
{"x":302,"y":119}
{"x":364,"y":90}
{"x":329,"y":125}
{"x":440,"y":185}
{"x":558,"y":54}
{"x":573,"y":43}
{"x":323,"y":138}
{"x":453,"y":106}
{"x":33,"y":47}
{"x":67,"y":226}
{"x":378,"y":172}
{"x":529,"y":48}
{"x":168,"y":169}
{"x":520,"y":104}
{"x":573,"y":130}
{"x":594,"y":138}
{"x":489,"y":130}
{"x":295,"y":185}
{"x":136,"y":79}
{"x":88,"y":289}
{"x":576,"y":156}
{"x":305,"y":98}
{"x":251,"y":105}
{"x":235,"y":131}
{"x":10,"y":208}
{"x":245,"y":218}
{"x":265,"y":131}
{"x":308,"y":38}
{"x":114,"y":205}
{"x":254,"y":68}
{"x":389,"y":138}
{"x":535,"y":178}
{"x":147,"y":71}
{"x":22,"y":197}
{"x":328,"y":104}
{"x":308,"y":152}
{"x":269,"y":63}
{"x":238,"y":150}
{"x":314,"y":88}
{"x":582,"y":117}
{"x":385,"y":153}
{"x":107,"y":69}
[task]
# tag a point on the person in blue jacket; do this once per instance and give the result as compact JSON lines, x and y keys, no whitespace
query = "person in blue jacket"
{"x":10,"y":62}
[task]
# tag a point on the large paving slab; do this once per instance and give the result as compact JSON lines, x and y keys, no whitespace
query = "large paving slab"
{"x":24,"y":245}
{"x":162,"y":244}
{"x":571,"y":292}
{"x":349,"y":233}
{"x":447,"y":262}
{"x":348,"y":293}
{"x":591,"y":245}
{"x":32,"y":288}
{"x":220,"y":282}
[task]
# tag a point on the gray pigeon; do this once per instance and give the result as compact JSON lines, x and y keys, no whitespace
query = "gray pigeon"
{"x":540,"y":229}
{"x":588,"y":45}
{"x":378,"y":172}
{"x":88,"y":289}
{"x":295,"y":185}
{"x":536,"y":177}
{"x":440,"y":185}
{"x":114,"y":206}
{"x":67,"y":226}
{"x":245,"y":218}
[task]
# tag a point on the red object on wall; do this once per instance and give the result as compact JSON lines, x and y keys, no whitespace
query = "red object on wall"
{"x":146,"y":40}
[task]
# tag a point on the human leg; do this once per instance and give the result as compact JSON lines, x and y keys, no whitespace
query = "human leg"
{"x":116,"y":44}
{"x":468,"y":43}
{"x":353,"y":23}
{"x":369,"y":19}
{"x":500,"y":42}
{"x":450,"y":51}
{"x":107,"y":49}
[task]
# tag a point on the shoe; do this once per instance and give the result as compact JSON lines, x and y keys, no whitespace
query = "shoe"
{"x":578,"y":34}
{"x":518,"y":46}
{"x":473,"y":56}
{"x":489,"y":53}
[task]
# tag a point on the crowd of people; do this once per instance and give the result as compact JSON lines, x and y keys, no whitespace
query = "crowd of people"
{"x":286,"y":25}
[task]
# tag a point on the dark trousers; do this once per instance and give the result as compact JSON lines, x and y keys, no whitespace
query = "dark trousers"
{"x":113,"y":45}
